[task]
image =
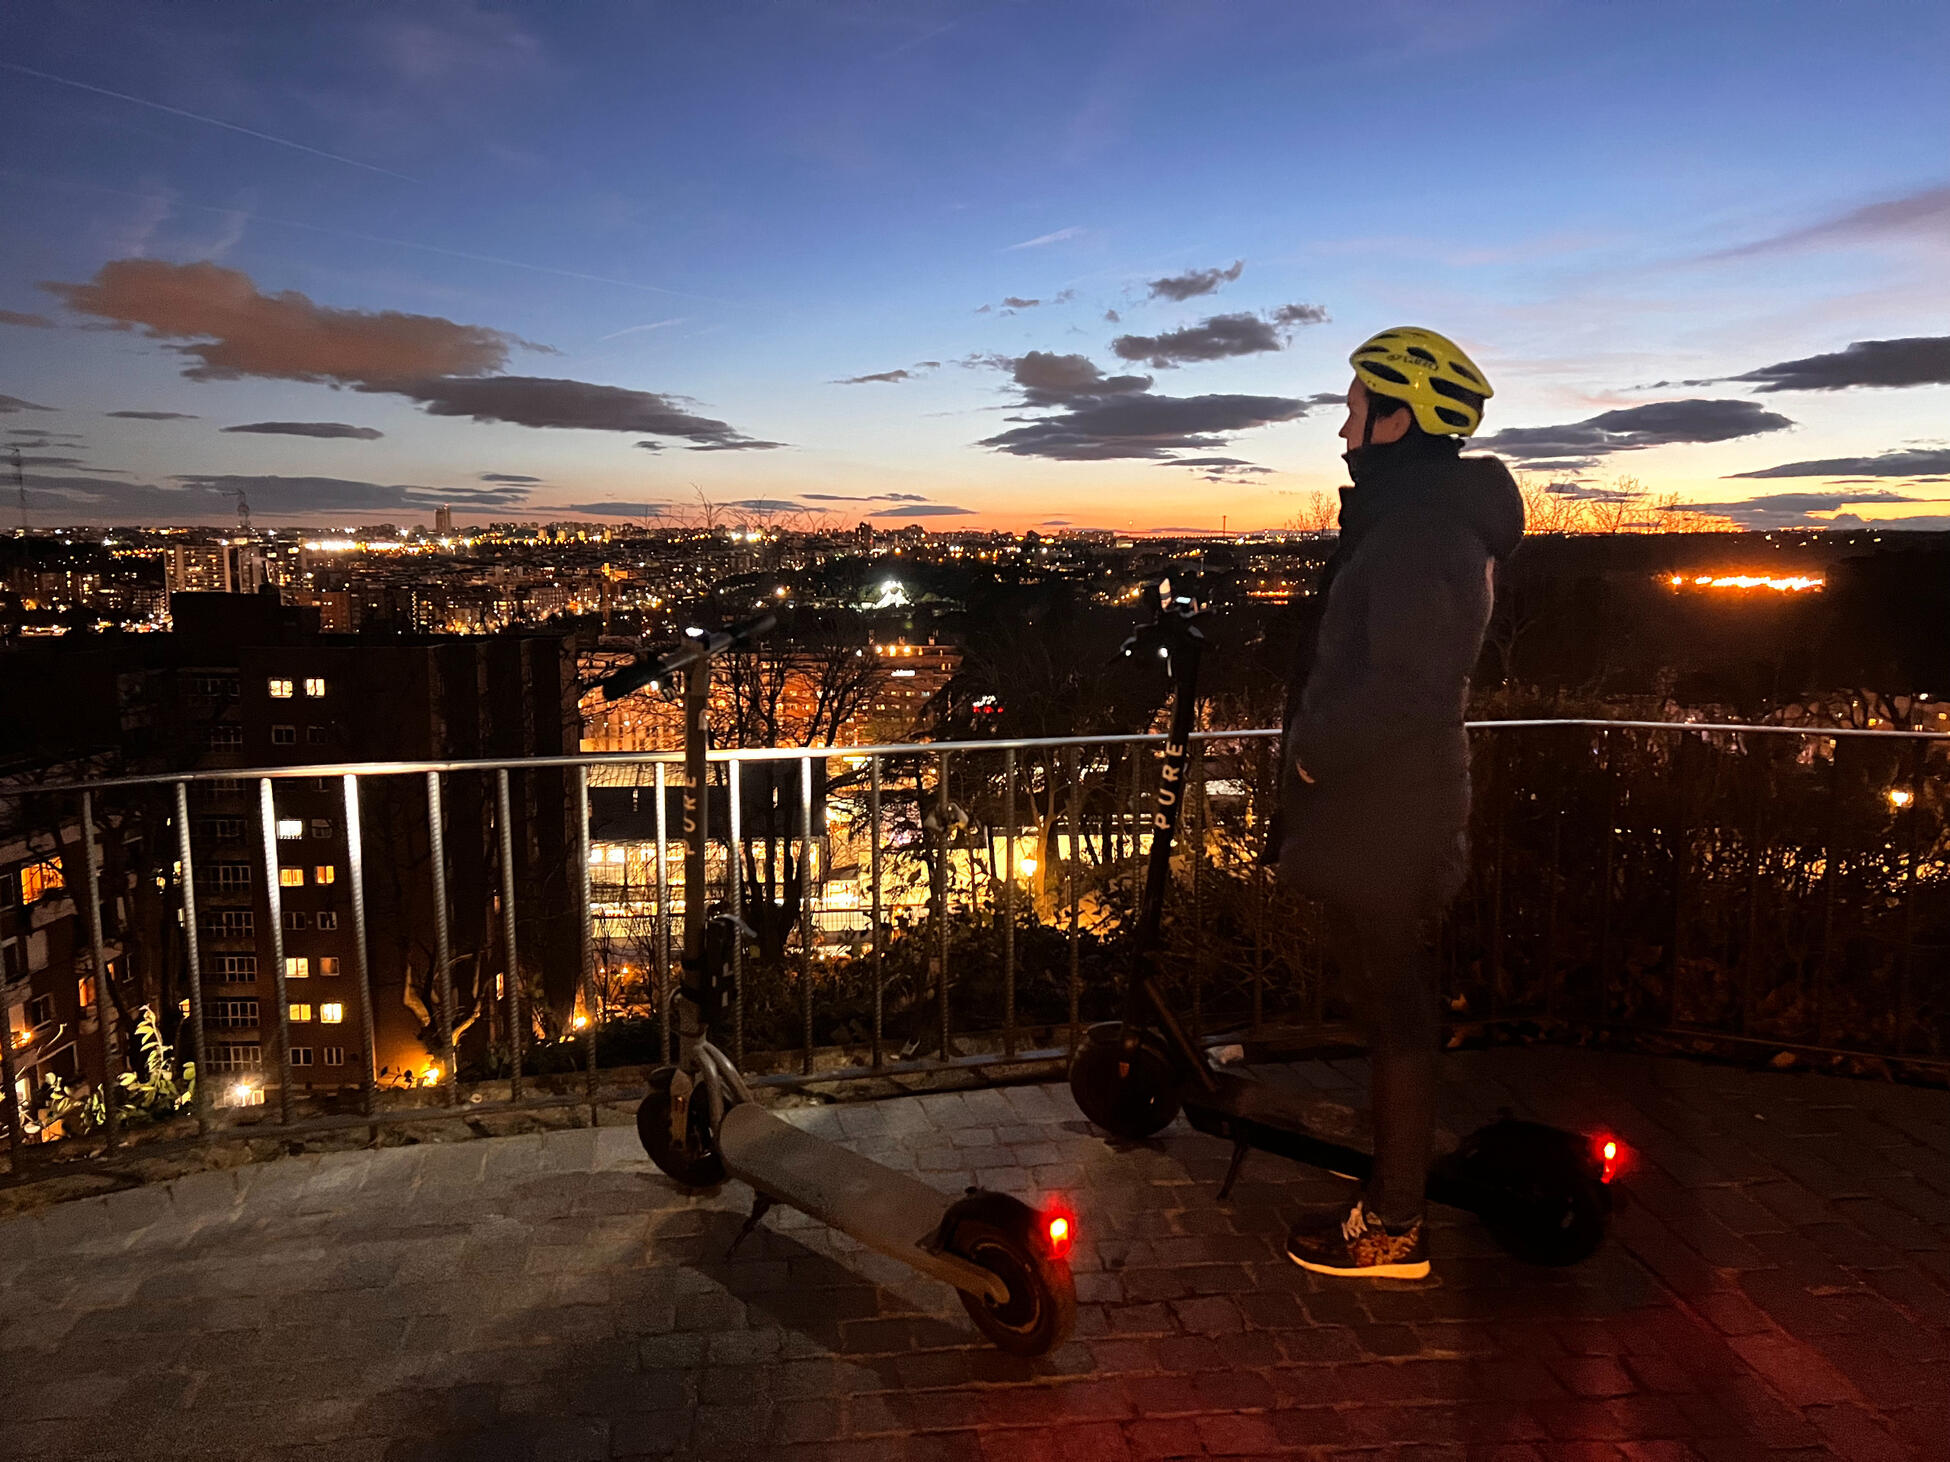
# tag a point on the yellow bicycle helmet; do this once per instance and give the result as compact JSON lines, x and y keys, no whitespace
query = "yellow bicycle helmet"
{"x":1429,"y":371}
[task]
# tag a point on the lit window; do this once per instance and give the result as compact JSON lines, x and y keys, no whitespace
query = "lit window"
{"x":300,"y":1011}
{"x":314,"y":686}
{"x":331,"y":1014}
{"x":38,"y":880}
{"x":291,"y":827}
{"x":280,"y":690}
{"x":85,"y":991}
{"x":328,"y":964}
{"x":284,"y":736}
{"x":296,"y":967}
{"x":291,"y":878}
{"x":325,"y":873}
{"x":331,"y":1056}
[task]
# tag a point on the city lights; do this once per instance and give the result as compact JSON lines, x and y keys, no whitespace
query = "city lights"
{"x":1900,"y":797}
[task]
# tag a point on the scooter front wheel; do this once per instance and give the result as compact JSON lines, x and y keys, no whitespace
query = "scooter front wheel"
{"x":694,"y":1162}
{"x":1130,"y":1096}
{"x":1004,"y":1237}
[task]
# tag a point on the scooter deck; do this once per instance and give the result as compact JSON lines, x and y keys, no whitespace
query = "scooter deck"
{"x":1257,"y":1114}
{"x":891,"y":1212}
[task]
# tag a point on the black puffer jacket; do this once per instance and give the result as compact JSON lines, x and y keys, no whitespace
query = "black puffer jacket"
{"x":1376,"y":710}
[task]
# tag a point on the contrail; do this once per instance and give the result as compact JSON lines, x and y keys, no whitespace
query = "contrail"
{"x":638,"y":329}
{"x":347,"y":233}
{"x":120,"y":96}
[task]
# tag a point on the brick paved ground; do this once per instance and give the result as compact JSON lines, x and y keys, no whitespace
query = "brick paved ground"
{"x":1781,"y":1289}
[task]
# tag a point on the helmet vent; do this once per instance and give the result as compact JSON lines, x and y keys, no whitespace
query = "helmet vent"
{"x":1422,"y":355}
{"x":1387,"y":372}
{"x":1453,"y":418}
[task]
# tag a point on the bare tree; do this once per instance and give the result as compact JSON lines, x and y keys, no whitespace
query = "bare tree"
{"x":1319,"y":513}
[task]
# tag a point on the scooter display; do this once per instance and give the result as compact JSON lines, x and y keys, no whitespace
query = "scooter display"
{"x":699,"y":1123}
{"x":1544,"y":1193}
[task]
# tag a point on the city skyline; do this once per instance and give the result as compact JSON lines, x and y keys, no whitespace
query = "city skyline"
{"x":965,"y":266}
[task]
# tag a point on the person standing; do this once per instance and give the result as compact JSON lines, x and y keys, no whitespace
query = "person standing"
{"x":1375,"y":806}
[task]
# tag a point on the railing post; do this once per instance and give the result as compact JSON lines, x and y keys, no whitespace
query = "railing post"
{"x":873,"y":859}
{"x":1074,"y":896}
{"x":1830,"y":859}
{"x":274,"y":902}
{"x":735,"y":883}
{"x":1265,"y":791}
{"x":1605,"y":894}
{"x":1009,"y":903}
{"x":805,"y":913}
{"x":104,"y":1001}
{"x":355,"y":860}
{"x":193,"y":952}
{"x":443,"y":959}
{"x":941,"y":894}
{"x":660,"y":977}
{"x":505,"y":830}
{"x":586,"y":934}
{"x":1911,"y":810}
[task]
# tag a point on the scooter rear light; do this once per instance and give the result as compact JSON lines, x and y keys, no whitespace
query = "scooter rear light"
{"x":1059,"y":1230}
{"x":1610,"y":1153}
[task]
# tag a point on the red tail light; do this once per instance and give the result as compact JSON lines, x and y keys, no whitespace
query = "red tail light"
{"x":1610,"y":1154}
{"x":1060,"y":1233}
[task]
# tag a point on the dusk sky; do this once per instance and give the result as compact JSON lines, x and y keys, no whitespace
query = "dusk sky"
{"x":1002,"y":264}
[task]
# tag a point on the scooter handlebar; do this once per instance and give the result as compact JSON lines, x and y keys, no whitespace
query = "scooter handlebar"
{"x":657,"y":670}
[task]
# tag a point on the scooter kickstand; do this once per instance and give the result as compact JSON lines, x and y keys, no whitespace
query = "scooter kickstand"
{"x":1239,"y":1151}
{"x":761,"y":1205}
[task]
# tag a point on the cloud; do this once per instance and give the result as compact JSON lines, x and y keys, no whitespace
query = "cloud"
{"x":1660,"y":423}
{"x":1017,"y":302}
{"x":547,"y":401}
{"x":610,"y":507}
{"x":1916,"y":523}
{"x":507,"y":477}
{"x":10,"y":404}
{"x":1048,"y":379}
{"x":1217,"y":337}
{"x":888,"y":376}
{"x":1219,"y":469}
{"x":311,"y":429}
{"x":153,"y":415}
{"x":1789,"y":509}
{"x":1060,"y":236}
{"x":1195,"y":282}
{"x":931,"y":510}
{"x":1909,"y":462}
{"x":32,"y":322}
{"x":72,"y":463}
{"x":1918,"y":360}
{"x":878,"y":497}
{"x":1925,"y":214}
{"x":1111,"y":317}
{"x":234,"y":331}
{"x":1054,"y":523}
{"x":290,"y":496}
{"x":771,"y":505}
{"x":1140,"y":425}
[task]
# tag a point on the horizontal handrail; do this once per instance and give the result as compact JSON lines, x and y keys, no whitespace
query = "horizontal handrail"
{"x":887,"y":749}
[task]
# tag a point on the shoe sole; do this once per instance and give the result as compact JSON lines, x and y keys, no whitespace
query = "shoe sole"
{"x":1417,"y":1270}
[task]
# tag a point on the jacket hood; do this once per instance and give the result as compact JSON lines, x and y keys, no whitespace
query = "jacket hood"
{"x":1489,"y":502}
{"x":1428,"y":475}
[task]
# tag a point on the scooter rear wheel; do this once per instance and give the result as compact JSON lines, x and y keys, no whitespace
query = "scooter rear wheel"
{"x":1537,"y":1189}
{"x":694,"y":1163}
{"x":1002,"y":1238}
{"x":1560,"y":1220}
{"x":1130,"y":1101}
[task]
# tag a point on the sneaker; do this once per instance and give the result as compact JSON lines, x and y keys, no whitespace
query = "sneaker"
{"x":1359,"y":1244}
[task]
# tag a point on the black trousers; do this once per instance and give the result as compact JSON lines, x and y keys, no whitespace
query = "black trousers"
{"x":1389,"y":972}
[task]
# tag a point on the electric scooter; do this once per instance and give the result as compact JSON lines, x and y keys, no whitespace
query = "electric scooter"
{"x":1544,"y":1193}
{"x":700,"y":1124}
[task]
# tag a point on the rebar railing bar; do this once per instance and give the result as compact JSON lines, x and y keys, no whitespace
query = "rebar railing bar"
{"x":91,"y":858}
{"x":586,"y":943}
{"x":443,"y":959}
{"x":1554,"y":892}
{"x":754,"y":754}
{"x":267,"y":818}
{"x":873,"y":915}
{"x":1905,"y":967}
{"x":1194,"y":824}
{"x":1009,"y":903}
{"x":1756,"y":854}
{"x":735,"y":889}
{"x":660,"y":981}
{"x":1830,"y":861}
{"x":1499,"y":780}
{"x":505,"y":835}
{"x":1073,"y":897}
{"x":355,"y":871}
{"x":805,"y":913}
{"x":941,"y":894}
{"x":1610,"y":772}
{"x":193,"y":953}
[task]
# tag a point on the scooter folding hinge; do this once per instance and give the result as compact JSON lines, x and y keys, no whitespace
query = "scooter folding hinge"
{"x":1239,"y":1151}
{"x":761,"y":1205}
{"x":681,"y":1088}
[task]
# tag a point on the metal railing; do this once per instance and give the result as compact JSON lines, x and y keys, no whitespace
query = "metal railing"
{"x":957,"y":904}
